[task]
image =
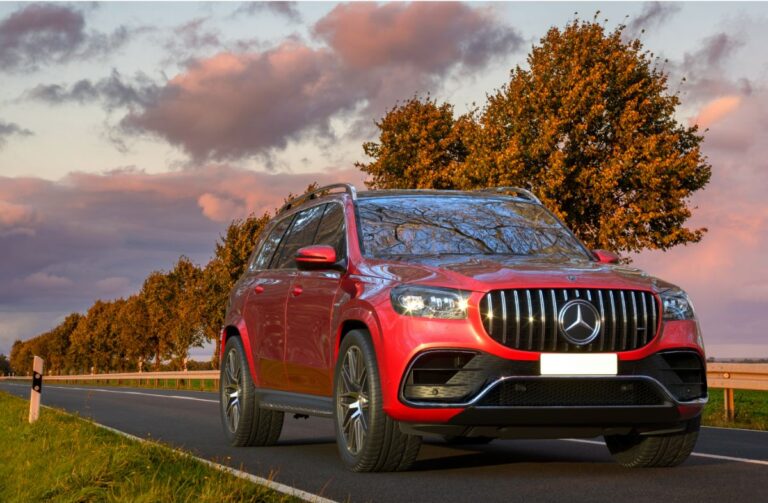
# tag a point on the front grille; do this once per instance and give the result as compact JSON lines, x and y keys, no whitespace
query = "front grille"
{"x":572,"y":393}
{"x":527,"y":319}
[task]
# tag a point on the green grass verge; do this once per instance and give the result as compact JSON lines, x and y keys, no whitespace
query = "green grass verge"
{"x":751,"y":409}
{"x":62,"y":458}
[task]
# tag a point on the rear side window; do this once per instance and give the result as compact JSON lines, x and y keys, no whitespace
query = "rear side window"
{"x":270,"y":244}
{"x":331,"y":230}
{"x":301,"y":234}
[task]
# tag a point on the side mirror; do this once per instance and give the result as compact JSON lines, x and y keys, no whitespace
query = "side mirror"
{"x":606,"y":257}
{"x":316,"y":256}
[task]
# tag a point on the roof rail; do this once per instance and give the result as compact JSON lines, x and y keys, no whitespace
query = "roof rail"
{"x":525,"y":194}
{"x":318,"y":192}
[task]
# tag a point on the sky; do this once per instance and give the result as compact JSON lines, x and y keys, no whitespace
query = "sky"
{"x":133,"y":133}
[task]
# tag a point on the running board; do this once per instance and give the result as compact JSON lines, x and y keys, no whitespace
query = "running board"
{"x":295,"y":403}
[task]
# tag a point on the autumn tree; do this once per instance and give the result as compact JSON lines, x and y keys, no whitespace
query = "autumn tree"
{"x":589,"y":126}
{"x":230,"y":259}
{"x":419,"y":147}
{"x":5,"y":365}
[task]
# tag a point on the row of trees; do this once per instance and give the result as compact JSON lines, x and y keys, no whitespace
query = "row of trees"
{"x":174,"y":311}
{"x":589,"y":126}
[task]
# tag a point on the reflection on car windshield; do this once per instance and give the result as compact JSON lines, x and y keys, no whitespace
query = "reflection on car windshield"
{"x":451,"y":225}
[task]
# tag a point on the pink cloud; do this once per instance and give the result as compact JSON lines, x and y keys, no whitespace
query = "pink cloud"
{"x":240,"y":104}
{"x":219,"y":209}
{"x":716,"y":110}
{"x":426,"y":35}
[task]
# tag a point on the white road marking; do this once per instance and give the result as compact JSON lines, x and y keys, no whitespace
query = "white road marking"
{"x":697,"y":454}
{"x":141,"y":393}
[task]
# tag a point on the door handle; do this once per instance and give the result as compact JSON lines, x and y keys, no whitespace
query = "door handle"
{"x":297,"y":290}
{"x":258,"y":289}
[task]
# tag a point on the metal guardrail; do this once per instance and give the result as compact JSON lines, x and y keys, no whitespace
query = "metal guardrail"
{"x":132,"y":377}
{"x":731,"y":376}
{"x":728,"y":376}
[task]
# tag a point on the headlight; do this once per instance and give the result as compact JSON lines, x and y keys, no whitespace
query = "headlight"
{"x":677,"y":305}
{"x":429,"y":302}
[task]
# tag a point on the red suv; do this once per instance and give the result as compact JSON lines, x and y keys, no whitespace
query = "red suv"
{"x":468,"y":315}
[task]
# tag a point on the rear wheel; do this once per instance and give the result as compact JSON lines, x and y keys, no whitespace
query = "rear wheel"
{"x":368,"y":439}
{"x":636,"y":451}
{"x":243,"y":421}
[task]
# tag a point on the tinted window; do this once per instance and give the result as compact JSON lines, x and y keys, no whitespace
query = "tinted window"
{"x":301,"y":234}
{"x":453,"y":225}
{"x":269,"y":245}
{"x":331,"y":230}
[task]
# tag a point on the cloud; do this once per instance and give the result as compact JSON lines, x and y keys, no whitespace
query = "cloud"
{"x":99,"y":235}
{"x":8,"y":129}
{"x":244,"y":103}
{"x":47,"y":281}
{"x":41,"y":33}
{"x":724,"y":273}
{"x":190,"y":38}
{"x":428,"y":36}
{"x":653,"y":14}
{"x":717,"y":109}
{"x":113,"y":92}
{"x":703,"y":70}
{"x":288,"y":10}
{"x":237,"y":105}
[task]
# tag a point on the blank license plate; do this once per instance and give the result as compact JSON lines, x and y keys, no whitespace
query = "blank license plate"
{"x":568,"y":364}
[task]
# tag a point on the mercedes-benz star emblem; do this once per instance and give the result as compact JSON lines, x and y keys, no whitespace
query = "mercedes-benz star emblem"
{"x":579,"y":322}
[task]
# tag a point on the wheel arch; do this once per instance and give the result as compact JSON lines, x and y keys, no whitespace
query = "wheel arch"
{"x":237,"y":329}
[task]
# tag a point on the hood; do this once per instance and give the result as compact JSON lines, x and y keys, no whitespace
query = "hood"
{"x":483,"y":273}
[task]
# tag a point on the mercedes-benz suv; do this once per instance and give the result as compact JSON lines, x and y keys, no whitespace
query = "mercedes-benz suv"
{"x":468,"y":315}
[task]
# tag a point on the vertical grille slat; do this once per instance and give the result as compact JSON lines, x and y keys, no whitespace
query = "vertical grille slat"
{"x":517,"y":321}
{"x":503,"y":317}
{"x":527,"y":319}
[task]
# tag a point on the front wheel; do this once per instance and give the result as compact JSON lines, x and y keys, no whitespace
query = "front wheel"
{"x":368,"y":439}
{"x":243,"y":421}
{"x":636,"y":451}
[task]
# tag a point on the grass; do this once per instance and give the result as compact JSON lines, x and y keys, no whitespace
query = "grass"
{"x":62,"y":458}
{"x":751,"y":410}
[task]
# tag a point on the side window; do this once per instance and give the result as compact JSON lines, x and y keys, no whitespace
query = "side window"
{"x":301,"y":233}
{"x":270,"y":244}
{"x":331,"y":230}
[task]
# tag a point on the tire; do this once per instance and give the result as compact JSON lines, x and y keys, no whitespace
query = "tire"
{"x":368,"y":440}
{"x":636,"y":451}
{"x":459,"y":440}
{"x":245,"y":424}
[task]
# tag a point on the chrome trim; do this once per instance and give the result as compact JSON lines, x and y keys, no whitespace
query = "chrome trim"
{"x":489,"y":315}
{"x":503,"y":317}
{"x":645,"y":320}
{"x":542,"y":332}
{"x":623,"y":320}
{"x":530,"y":317}
{"x":667,"y":394}
{"x":555,"y":311}
{"x":517,"y":319}
{"x":634,"y":319}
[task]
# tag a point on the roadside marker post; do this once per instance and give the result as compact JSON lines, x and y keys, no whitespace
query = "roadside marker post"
{"x":37,"y":388}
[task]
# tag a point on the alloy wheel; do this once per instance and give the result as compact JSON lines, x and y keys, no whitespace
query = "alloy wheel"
{"x":232,"y":389}
{"x":353,"y":400}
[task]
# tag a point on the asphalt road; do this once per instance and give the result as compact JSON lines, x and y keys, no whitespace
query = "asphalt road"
{"x":509,"y":471}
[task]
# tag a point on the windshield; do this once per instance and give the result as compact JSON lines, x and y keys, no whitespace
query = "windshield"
{"x":460,"y":225}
